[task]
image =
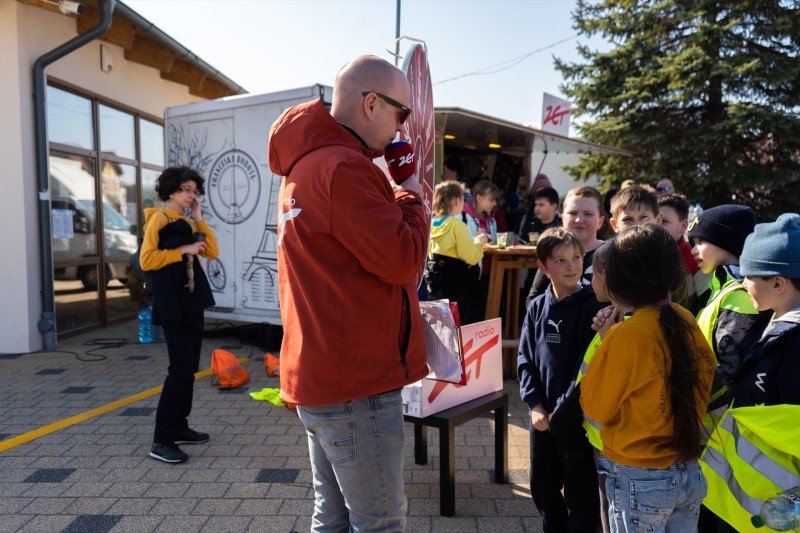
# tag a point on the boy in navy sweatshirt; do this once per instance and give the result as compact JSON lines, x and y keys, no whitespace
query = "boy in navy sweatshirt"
{"x":555,"y":335}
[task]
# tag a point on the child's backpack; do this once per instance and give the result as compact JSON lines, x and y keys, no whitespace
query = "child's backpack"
{"x":229,"y":372}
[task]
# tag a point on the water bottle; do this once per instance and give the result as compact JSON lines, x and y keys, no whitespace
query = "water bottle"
{"x":145,"y":324}
{"x":158,"y":333}
{"x":781,"y":512}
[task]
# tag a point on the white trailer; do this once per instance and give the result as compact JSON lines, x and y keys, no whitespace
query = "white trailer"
{"x":226,"y":141}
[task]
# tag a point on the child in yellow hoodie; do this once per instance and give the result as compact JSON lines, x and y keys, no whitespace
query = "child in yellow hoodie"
{"x":453,"y":270}
{"x":648,"y":387}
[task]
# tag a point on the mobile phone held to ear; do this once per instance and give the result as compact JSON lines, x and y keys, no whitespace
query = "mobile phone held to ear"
{"x":400,"y":160}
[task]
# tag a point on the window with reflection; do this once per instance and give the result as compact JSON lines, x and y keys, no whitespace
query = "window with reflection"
{"x":72,"y":192}
{"x":96,"y":180}
{"x":151,"y":141}
{"x":76,"y":305}
{"x":69,"y":119}
{"x":116,"y":133}
{"x":118,"y":183}
{"x":149,"y":196}
{"x":123,"y":290}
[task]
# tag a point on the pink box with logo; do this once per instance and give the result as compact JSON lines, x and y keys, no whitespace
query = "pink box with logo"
{"x":483,"y":362}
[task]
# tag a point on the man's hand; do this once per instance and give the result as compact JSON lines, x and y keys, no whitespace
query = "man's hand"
{"x":412,"y":184}
{"x":539,"y":418}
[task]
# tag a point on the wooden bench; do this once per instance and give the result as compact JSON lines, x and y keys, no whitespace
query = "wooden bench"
{"x":447,"y":421}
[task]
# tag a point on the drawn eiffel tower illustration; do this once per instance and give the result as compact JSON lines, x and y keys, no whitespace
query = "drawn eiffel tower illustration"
{"x":234,"y":215}
{"x":260,"y":275}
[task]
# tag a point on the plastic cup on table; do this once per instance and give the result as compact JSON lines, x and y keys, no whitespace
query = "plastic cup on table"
{"x":533,"y":238}
{"x":502,"y":240}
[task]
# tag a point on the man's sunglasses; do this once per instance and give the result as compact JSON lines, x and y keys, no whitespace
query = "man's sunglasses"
{"x":405,"y":111}
{"x":664,"y":188}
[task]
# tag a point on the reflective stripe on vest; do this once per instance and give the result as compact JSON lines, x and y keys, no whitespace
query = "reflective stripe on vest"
{"x":766,"y":466}
{"x":592,"y":427}
{"x":717,"y":462}
{"x":752,"y":455}
{"x":711,"y":419}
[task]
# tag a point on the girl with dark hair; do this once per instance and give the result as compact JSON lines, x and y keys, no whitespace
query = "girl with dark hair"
{"x":648,"y":387}
{"x":181,"y":292}
{"x":480,"y":210}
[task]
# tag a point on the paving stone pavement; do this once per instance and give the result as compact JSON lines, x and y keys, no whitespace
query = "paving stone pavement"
{"x":253,"y":475}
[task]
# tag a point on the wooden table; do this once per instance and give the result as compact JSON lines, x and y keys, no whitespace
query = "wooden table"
{"x":511,"y":259}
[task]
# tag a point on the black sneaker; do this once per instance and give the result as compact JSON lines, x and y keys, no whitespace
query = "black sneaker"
{"x":190,"y":436}
{"x":169,"y":453}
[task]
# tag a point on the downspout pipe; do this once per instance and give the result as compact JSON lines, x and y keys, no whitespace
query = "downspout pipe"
{"x":47,"y":321}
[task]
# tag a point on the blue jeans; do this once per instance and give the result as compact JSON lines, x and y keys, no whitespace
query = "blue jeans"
{"x":653,"y":499}
{"x":357,"y":452}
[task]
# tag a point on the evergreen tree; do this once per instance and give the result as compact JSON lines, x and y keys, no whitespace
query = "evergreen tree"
{"x":705,"y":92}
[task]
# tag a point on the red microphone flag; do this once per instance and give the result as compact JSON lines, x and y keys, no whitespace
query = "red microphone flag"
{"x":400,"y":160}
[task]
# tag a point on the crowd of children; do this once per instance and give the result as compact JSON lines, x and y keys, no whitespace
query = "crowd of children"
{"x":642,"y":358}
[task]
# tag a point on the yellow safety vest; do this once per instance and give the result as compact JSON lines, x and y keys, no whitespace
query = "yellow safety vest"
{"x":730,"y":295}
{"x":753,"y":454}
{"x":592,"y":427}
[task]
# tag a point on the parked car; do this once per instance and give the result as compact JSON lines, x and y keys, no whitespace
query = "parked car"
{"x":119,"y":240}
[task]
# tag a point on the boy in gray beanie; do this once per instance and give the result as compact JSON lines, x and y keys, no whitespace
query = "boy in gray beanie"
{"x":770,"y":262}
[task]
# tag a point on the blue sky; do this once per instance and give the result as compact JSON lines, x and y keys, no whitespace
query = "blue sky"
{"x":269,"y":45}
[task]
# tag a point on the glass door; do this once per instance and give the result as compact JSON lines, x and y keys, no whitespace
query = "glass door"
{"x":100,"y":157}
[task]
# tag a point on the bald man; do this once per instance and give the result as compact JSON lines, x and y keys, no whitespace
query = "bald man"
{"x":350,"y":245}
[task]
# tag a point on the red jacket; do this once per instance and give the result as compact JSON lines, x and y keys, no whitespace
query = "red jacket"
{"x":349,"y":254}
{"x":688,"y":259}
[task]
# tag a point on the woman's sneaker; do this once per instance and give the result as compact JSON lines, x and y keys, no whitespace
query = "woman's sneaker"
{"x":169,"y":453}
{"x":190,"y":436}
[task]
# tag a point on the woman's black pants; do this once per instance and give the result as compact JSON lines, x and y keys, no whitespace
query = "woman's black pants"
{"x":184,"y":338}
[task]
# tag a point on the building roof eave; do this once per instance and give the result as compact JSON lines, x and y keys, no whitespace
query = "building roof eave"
{"x":184,"y":53}
{"x":144,"y":43}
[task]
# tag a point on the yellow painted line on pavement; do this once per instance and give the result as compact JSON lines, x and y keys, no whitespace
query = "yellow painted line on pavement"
{"x":92,"y":413}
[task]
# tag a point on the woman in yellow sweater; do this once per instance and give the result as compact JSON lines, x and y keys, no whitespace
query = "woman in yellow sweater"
{"x":648,"y":387}
{"x":172,"y":240}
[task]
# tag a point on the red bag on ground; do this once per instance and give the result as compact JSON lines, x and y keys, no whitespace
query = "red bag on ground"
{"x":230,"y":372}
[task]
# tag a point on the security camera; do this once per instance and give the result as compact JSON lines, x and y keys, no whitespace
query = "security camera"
{"x":70,"y":7}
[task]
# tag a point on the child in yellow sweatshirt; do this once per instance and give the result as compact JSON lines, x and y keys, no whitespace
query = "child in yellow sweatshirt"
{"x":453,"y":271}
{"x":648,"y":387}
